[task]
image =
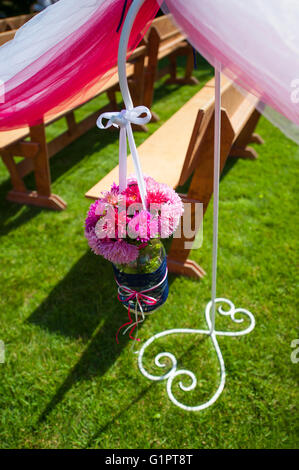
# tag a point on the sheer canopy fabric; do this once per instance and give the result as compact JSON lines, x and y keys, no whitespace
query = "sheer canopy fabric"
{"x":257,"y":44}
{"x":62,"y":56}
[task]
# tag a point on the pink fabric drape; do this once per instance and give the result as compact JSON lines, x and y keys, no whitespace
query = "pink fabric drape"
{"x":61,"y":57}
{"x":257,"y":44}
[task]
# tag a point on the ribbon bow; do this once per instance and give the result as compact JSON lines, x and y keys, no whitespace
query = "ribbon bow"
{"x":128,"y":295}
{"x":123,"y":120}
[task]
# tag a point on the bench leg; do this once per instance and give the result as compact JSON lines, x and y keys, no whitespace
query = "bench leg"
{"x":20,"y":194}
{"x":137,"y":91}
{"x":16,"y":180}
{"x":111,"y":94}
{"x":151,"y":71}
{"x":247,"y":152}
{"x":256,"y":139}
{"x":200,"y":190}
{"x":32,"y":198}
{"x":240,"y":148}
{"x":35,"y":157}
{"x":71,"y":123}
{"x":188,"y":79}
{"x":186,"y":267}
{"x":43,"y":195}
{"x":172,"y":69}
{"x":138,"y":81}
{"x":177,"y":259}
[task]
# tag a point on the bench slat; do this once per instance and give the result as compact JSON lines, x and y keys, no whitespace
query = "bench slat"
{"x":170,"y":46}
{"x":242,"y":114}
{"x":162,"y":155}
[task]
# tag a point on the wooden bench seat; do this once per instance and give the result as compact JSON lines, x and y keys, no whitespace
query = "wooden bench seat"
{"x":168,"y":45}
{"x":183,"y":146}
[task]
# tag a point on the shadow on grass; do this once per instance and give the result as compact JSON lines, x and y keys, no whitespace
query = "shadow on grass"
{"x":13,"y":215}
{"x":229,"y":164}
{"x":127,"y":408}
{"x":84,"y":305}
{"x":168,"y":88}
{"x":141,"y":395}
{"x":77,"y":304}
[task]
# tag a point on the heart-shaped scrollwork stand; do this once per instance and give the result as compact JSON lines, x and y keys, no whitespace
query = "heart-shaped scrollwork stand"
{"x":235,"y":315}
{"x":232,"y":312}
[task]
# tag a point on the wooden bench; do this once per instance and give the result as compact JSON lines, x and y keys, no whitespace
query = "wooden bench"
{"x":164,"y":39}
{"x":37,"y":152}
{"x":173,"y":161}
{"x":14,"y":22}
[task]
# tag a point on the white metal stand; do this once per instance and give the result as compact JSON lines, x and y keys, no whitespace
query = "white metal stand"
{"x":174,"y":372}
{"x":210,"y":312}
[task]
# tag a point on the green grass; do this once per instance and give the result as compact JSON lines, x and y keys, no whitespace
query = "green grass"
{"x":67,"y":384}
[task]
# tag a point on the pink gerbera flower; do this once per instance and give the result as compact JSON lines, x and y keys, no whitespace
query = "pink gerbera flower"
{"x":131,"y":194}
{"x":109,"y":222}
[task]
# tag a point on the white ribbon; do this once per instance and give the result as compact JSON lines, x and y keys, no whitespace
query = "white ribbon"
{"x":123,"y":120}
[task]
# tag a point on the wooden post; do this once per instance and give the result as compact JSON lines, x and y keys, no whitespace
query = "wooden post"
{"x":151,"y":70}
{"x":240,"y":148}
{"x":201,"y":190}
{"x":138,"y":79}
{"x":111,"y":94}
{"x":137,"y":89}
{"x":183,"y":50}
{"x":172,"y":68}
{"x":41,"y":161}
{"x":190,"y":67}
{"x":43,"y":195}
{"x":71,"y":122}
{"x":38,"y":154}
{"x":16,"y":180}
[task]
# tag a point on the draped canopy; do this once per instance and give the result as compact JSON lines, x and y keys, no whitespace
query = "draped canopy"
{"x":61,"y":56}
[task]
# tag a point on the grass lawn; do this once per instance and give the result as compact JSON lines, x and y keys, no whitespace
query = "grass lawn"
{"x":67,"y":384}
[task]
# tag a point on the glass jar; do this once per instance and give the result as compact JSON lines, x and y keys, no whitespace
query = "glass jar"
{"x":149,"y":259}
{"x":147,"y":273}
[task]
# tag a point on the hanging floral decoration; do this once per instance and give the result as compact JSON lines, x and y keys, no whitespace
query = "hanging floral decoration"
{"x":123,"y":231}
